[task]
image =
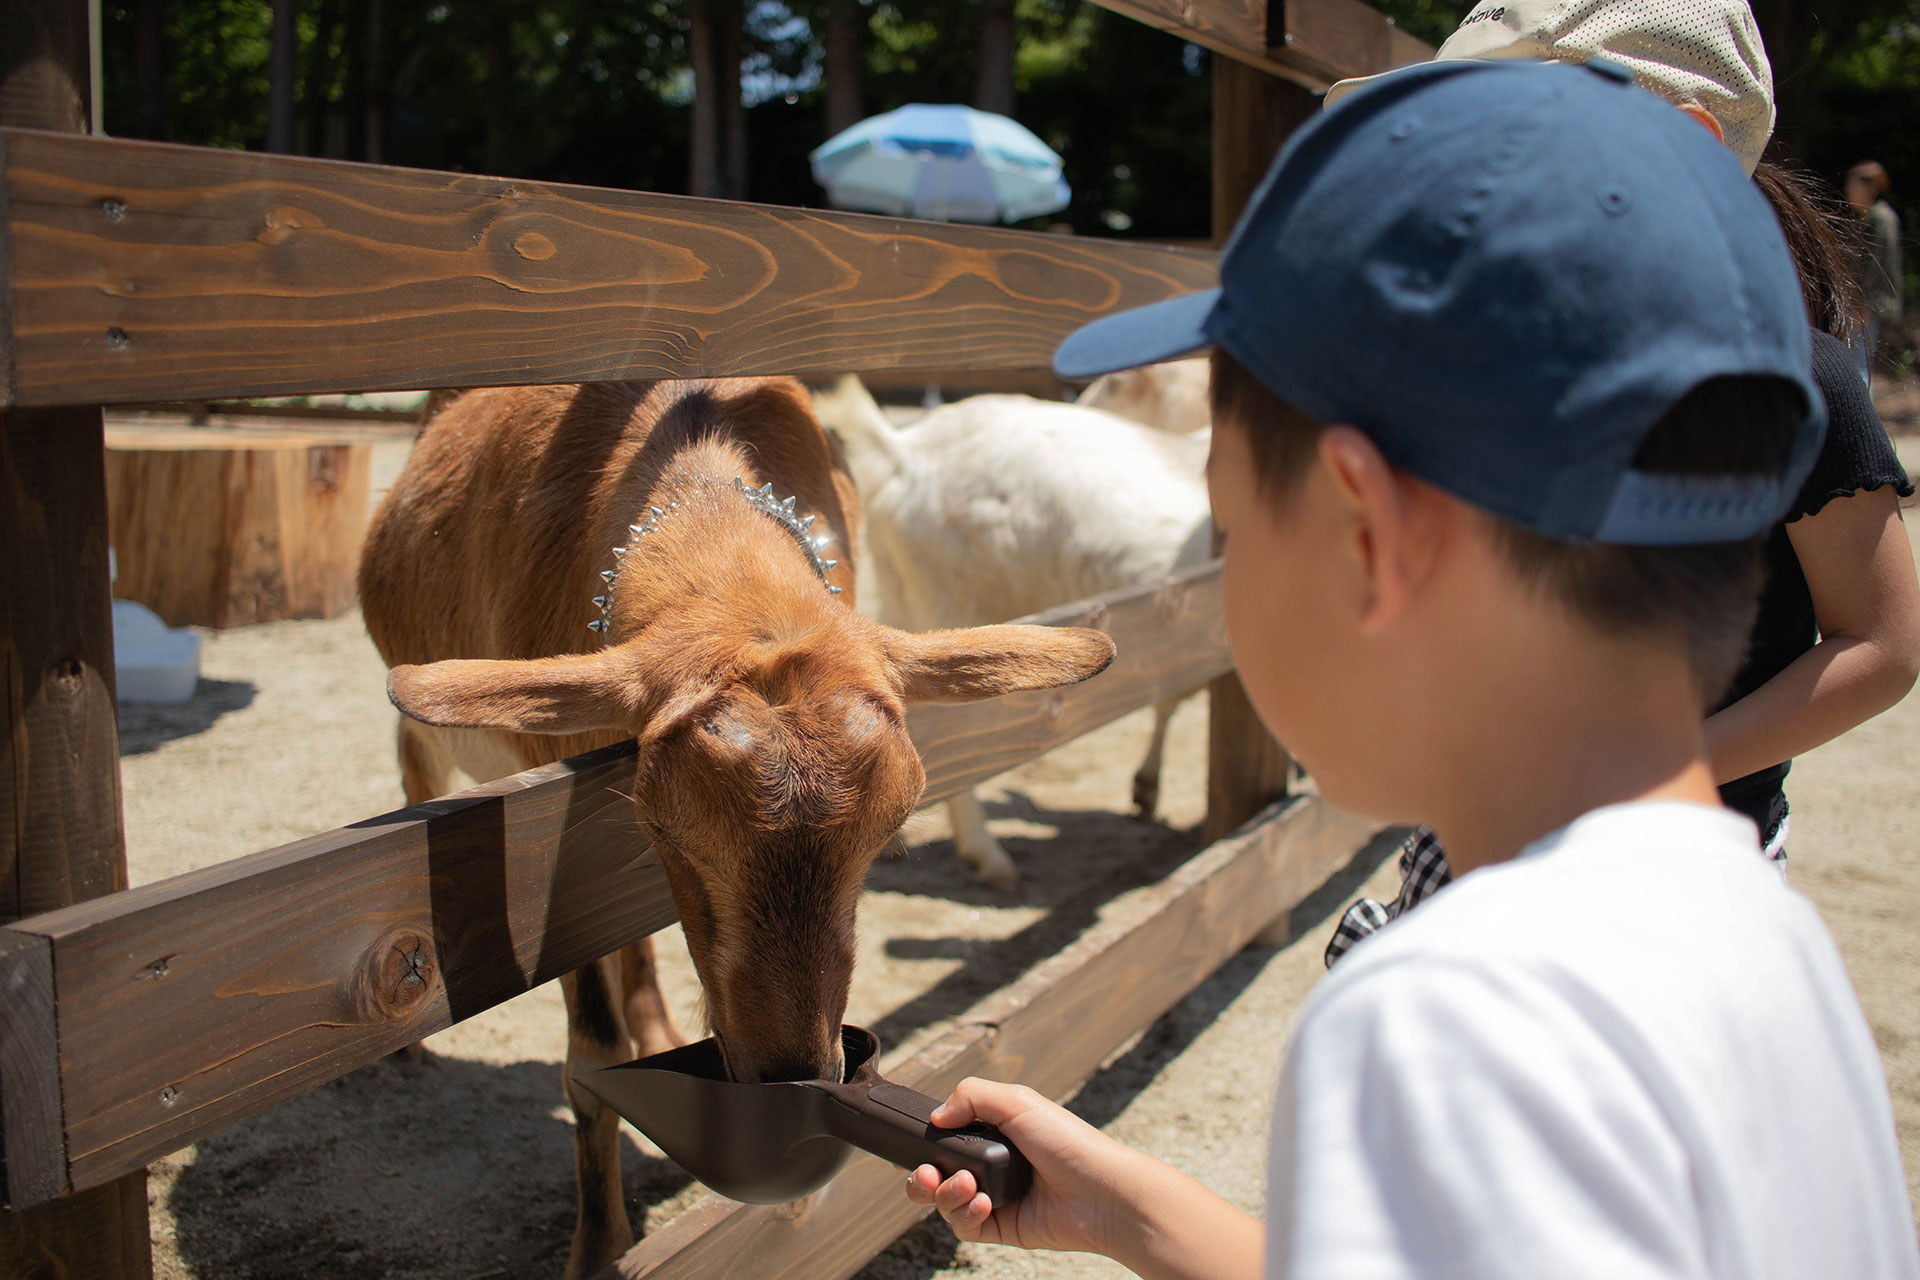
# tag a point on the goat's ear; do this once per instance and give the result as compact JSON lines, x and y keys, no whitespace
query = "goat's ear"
{"x":574,"y":693}
{"x":985,"y":662}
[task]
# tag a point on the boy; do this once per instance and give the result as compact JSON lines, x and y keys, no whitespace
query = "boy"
{"x":1837,"y":637}
{"x":1511,"y":369}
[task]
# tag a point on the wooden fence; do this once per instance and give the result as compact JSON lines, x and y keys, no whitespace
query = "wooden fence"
{"x":133,"y":1022}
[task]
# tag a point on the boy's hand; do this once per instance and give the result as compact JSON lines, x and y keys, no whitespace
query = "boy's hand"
{"x":1079,"y":1173}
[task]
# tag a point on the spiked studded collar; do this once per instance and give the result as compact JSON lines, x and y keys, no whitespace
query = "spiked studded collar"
{"x":761,"y":500}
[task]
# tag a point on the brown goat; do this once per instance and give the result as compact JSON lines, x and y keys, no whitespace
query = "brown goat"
{"x":773,"y":761}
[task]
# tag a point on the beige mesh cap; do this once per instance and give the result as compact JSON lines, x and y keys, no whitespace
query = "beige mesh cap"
{"x":1701,"y":51}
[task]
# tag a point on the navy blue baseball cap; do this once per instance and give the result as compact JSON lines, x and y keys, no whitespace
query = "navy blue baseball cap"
{"x":1505,"y":274}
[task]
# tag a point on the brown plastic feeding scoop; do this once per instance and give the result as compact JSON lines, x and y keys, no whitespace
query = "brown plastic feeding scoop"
{"x":770,"y":1143}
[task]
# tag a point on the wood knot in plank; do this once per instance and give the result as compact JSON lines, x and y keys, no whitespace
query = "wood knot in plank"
{"x":396,"y":976}
{"x":283,"y":220}
{"x":533,"y":246}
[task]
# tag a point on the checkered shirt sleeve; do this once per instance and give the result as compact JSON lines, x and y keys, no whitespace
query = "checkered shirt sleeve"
{"x":1423,"y":873}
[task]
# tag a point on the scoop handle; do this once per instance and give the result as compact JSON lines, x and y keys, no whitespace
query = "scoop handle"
{"x":896,"y":1123}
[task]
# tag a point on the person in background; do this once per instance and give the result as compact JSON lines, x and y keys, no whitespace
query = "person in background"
{"x":1837,"y":639}
{"x":1881,"y":276}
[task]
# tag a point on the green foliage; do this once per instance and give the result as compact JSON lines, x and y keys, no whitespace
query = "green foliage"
{"x":1130,"y":110}
{"x":1431,"y":20}
{"x":1849,"y":96}
{"x":596,"y":91}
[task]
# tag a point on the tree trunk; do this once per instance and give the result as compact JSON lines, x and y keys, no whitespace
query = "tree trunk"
{"x":373,"y":126}
{"x":993,"y":83}
{"x":353,"y":52}
{"x":733,"y":111}
{"x":317,"y":105}
{"x":1786,"y":33}
{"x":703,"y":140}
{"x":150,"y":69}
{"x":495,"y":158}
{"x":282,"y":73}
{"x":844,"y":25}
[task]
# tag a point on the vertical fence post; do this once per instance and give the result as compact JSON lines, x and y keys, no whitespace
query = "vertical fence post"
{"x":1253,"y":113}
{"x":60,"y":834}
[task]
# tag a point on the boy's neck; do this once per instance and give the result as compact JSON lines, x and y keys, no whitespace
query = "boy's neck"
{"x":1551,"y":727}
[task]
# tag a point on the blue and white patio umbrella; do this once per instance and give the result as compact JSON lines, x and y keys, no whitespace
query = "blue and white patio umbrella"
{"x":950,"y":163}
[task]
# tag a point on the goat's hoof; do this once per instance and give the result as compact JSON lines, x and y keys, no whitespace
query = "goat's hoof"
{"x":994,"y":870}
{"x":1146,"y":797}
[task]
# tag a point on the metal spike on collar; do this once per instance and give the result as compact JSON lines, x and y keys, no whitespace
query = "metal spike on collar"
{"x":782,"y":514}
{"x":762,"y":500}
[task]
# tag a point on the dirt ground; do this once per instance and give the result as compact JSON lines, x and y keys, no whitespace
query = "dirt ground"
{"x":460,"y":1166}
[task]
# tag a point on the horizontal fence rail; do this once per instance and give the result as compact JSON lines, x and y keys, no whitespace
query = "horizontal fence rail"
{"x":136,"y":1023}
{"x":1311,"y":42}
{"x":1051,"y":1029}
{"x":145,"y":271}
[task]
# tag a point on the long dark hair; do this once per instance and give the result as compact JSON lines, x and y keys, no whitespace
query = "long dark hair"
{"x":1819,"y":235}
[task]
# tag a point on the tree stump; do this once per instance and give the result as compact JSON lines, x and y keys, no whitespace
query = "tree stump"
{"x":218,"y":528}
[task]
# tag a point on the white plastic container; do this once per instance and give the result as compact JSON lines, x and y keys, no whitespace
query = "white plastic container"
{"x":152,"y":661}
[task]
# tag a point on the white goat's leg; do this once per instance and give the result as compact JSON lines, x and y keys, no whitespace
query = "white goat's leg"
{"x":978,"y":849}
{"x":596,"y":1037}
{"x":1146,"y":779}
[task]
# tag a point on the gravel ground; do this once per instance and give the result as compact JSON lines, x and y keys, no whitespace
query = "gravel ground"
{"x":333,"y":1184}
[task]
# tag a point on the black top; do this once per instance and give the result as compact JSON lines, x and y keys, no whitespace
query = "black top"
{"x":1856,"y":458}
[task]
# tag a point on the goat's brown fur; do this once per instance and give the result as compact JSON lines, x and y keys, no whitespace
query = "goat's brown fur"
{"x":774,"y":761}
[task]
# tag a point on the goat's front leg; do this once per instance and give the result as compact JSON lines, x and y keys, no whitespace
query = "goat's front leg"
{"x":1146,"y":779}
{"x":978,"y":849}
{"x":596,"y":1037}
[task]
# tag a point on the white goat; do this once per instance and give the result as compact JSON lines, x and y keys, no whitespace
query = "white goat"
{"x":1171,"y":396}
{"x":998,"y":506}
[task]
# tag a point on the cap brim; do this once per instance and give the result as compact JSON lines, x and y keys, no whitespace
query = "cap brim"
{"x":1145,"y":335}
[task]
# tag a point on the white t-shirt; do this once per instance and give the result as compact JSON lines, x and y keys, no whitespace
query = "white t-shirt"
{"x":1631,"y":1051}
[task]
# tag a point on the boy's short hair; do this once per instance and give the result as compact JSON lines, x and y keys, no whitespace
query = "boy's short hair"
{"x":1706,"y":593}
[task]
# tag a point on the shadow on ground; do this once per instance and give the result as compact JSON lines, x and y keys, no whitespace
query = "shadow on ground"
{"x":930,"y":1248}
{"x":1136,"y":853}
{"x":145,"y":726}
{"x":361,"y":1178}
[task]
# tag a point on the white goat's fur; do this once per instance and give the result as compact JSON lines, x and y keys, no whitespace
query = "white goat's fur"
{"x":1172,"y":396}
{"x":998,"y":506}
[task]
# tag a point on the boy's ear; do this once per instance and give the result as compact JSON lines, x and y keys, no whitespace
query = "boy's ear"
{"x":1389,"y":538}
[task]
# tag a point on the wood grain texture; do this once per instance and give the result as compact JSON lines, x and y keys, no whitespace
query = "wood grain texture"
{"x":145,"y":271}
{"x":1341,"y":38}
{"x":1253,"y":115}
{"x":190,"y":1004}
{"x":45,"y":80}
{"x":60,"y":838}
{"x":98,"y":1234}
{"x":1309,"y":42}
{"x":1050,"y":1030}
{"x":33,"y":1155}
{"x":60,"y":835}
{"x":219,"y":529}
